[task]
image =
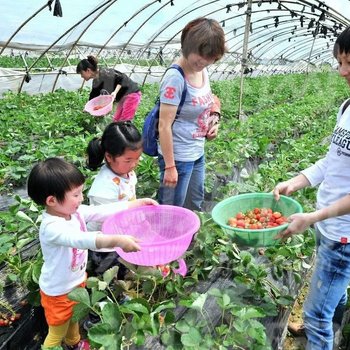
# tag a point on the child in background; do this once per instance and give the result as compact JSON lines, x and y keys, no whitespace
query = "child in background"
{"x":117,"y":152}
{"x":58,"y":185}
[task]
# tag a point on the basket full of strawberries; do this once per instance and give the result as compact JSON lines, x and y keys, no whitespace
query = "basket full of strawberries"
{"x":254,"y":219}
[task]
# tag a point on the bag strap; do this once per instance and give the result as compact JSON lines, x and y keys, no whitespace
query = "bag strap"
{"x":184,"y":92}
{"x":346,"y":105}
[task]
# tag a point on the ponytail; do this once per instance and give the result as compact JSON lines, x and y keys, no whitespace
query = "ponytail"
{"x":95,"y":154}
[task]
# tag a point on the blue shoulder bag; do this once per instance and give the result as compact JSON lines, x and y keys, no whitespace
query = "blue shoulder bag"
{"x":150,"y":126}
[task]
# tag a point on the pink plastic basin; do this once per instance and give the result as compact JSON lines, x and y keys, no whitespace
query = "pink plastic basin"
{"x":165,"y":232}
{"x":103,"y":100}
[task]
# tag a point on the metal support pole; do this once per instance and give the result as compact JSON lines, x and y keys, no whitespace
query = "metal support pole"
{"x":244,"y":56}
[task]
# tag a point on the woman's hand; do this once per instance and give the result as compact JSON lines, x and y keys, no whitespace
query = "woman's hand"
{"x":116,"y":90}
{"x":170,"y":177}
{"x":213,"y":125}
{"x":212,"y":132}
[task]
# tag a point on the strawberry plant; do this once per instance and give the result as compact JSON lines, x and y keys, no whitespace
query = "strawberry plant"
{"x":288,"y":116}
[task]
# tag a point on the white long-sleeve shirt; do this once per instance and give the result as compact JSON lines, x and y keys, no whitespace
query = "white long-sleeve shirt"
{"x":333,"y":174}
{"x":108,"y":187}
{"x":64,"y":245}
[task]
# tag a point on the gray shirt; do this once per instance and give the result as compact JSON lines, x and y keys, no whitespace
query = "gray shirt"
{"x":191,"y":126}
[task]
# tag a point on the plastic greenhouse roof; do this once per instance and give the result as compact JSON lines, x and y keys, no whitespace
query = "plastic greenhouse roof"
{"x":286,"y":35}
{"x":119,"y":22}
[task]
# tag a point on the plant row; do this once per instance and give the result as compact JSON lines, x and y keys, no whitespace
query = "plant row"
{"x":286,"y":133}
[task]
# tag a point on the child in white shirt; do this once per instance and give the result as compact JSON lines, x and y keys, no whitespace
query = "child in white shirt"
{"x":58,"y":185}
{"x":117,"y":154}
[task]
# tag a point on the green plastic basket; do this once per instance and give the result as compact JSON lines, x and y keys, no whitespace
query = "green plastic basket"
{"x":229,"y":207}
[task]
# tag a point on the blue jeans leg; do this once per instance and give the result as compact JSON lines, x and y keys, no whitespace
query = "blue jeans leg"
{"x":327,"y":293}
{"x":195,"y":192}
{"x":189,"y":191}
{"x":340,"y":309}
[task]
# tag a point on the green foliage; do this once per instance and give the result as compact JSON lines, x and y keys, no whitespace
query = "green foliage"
{"x":57,"y":61}
{"x":289,"y":115}
{"x":19,"y":239}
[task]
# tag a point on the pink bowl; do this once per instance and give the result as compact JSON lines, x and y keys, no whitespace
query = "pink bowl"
{"x":103,"y":100}
{"x":165,"y":232}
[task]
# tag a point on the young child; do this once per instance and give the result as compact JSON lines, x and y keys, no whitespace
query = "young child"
{"x":58,"y":185}
{"x":125,"y":91}
{"x":117,"y":152}
{"x":324,"y":307}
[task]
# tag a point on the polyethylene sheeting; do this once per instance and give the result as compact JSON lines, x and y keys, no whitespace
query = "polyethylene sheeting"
{"x":11,"y":80}
{"x":43,"y":82}
{"x":68,"y":79}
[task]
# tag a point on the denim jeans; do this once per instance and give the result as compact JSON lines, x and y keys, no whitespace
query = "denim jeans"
{"x":327,"y":296}
{"x":189,"y":191}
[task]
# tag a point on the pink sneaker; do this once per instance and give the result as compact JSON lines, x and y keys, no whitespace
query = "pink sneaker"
{"x":82,"y":345}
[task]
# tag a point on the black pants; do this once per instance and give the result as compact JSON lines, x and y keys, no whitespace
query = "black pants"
{"x":99,"y":262}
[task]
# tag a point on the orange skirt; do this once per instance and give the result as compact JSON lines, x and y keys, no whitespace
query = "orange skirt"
{"x":58,"y":309}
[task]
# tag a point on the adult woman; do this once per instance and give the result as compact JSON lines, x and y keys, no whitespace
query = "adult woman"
{"x":182,"y":137}
{"x":126,"y":92}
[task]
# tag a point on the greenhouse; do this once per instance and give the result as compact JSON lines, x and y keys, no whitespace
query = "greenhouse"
{"x":239,"y":270}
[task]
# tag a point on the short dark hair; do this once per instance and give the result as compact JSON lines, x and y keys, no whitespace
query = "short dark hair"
{"x":116,"y":138}
{"x":342,"y":44}
{"x":205,"y":37}
{"x":53,"y":177}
